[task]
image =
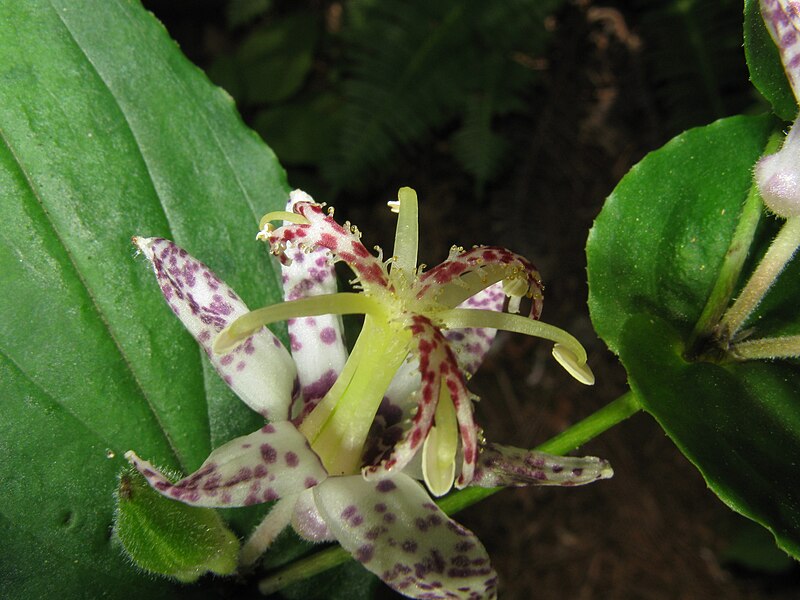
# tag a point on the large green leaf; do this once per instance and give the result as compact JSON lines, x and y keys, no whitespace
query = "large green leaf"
{"x":662,"y":235}
{"x":654,"y":256}
{"x":106,"y":131}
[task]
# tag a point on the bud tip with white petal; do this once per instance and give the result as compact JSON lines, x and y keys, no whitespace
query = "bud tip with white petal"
{"x":778,"y":177}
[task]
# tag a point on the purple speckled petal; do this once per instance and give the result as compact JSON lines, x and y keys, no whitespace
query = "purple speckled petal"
{"x":271,"y":463}
{"x":445,"y":279}
{"x":307,"y":521}
{"x":504,"y":466}
{"x":259,"y":370}
{"x":470,"y":345}
{"x":394,"y":413}
{"x":394,"y":529}
{"x":782,"y":18}
{"x":317,"y":345}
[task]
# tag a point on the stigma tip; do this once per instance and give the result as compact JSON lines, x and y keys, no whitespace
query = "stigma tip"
{"x":567,"y":359}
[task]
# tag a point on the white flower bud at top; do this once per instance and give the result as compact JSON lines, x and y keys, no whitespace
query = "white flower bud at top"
{"x":778,"y":177}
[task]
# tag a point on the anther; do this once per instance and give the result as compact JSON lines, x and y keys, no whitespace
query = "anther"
{"x":515,"y":287}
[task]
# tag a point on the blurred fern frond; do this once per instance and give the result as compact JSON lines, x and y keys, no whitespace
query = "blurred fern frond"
{"x":694,"y":59}
{"x":477,"y":147}
{"x":416,"y":66}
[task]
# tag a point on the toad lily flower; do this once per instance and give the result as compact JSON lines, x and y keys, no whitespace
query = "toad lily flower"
{"x":406,"y":311}
{"x":348,"y":436}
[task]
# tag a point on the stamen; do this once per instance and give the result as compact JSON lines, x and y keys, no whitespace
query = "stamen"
{"x":574,"y":362}
{"x":344,"y":303}
{"x":282,"y":215}
{"x":567,"y":359}
{"x":516,"y":287}
{"x":455,"y":291}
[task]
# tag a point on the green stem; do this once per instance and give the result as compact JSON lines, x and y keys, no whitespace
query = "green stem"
{"x":303,"y":569}
{"x":778,"y":255}
{"x":733,"y":262}
{"x":729,"y":272}
{"x":578,"y":434}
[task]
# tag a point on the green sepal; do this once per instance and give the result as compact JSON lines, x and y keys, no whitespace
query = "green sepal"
{"x":170,"y":538}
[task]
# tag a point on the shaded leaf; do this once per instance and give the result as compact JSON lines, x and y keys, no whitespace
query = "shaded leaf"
{"x":478,"y":148}
{"x":694,"y":60}
{"x":272,"y":63}
{"x":242,"y":12}
{"x":302,"y":132}
{"x":413,"y":66}
{"x":754,"y":548}
{"x":739,"y":425}
{"x":106,"y":131}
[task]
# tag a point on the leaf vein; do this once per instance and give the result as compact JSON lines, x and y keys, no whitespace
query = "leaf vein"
{"x":79,"y":277}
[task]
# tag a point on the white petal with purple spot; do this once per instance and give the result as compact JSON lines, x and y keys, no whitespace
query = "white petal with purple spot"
{"x":259,"y":370}
{"x":307,"y":521}
{"x":271,"y":463}
{"x":405,"y":384}
{"x":471,"y":344}
{"x":505,"y":466}
{"x":394,"y":529}
{"x":317,"y":345}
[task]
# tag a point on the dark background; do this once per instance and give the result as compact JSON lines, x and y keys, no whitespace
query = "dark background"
{"x":513,"y":120}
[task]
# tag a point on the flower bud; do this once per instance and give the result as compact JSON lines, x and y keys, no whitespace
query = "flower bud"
{"x":170,"y":538}
{"x":778,"y":178}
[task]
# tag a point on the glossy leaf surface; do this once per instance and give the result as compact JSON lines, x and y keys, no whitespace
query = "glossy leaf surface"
{"x":654,"y":255}
{"x":107,"y":131}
